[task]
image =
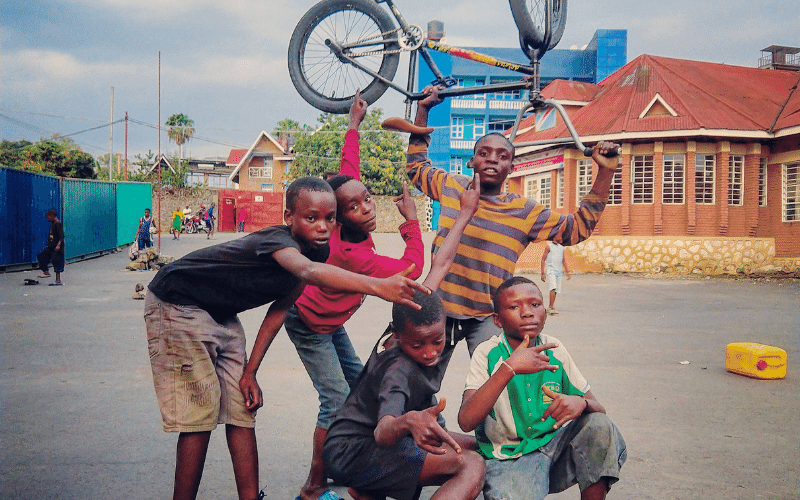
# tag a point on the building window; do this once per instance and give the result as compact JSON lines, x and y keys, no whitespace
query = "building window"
{"x":268,"y":187}
{"x":791,"y":192}
{"x":673,"y":182}
{"x":457,"y":128}
{"x":537,"y":188}
{"x":762,"y":182}
{"x":262,"y":171}
{"x":584,"y":184}
{"x":456,"y":165}
{"x":704,"y":179}
{"x":642,"y":179}
{"x":479,"y":128}
{"x":735,"y":179}
{"x":219,"y":181}
{"x":560,"y":188}
{"x":502,"y":125}
{"x":195,"y":178}
{"x":615,"y":192}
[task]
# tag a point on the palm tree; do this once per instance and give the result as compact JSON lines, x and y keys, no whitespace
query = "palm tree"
{"x":180,"y":129}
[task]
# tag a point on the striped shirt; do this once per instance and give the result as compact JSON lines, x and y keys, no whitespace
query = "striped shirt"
{"x":514,"y":426}
{"x":498,"y":233}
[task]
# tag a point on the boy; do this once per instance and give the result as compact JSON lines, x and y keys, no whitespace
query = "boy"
{"x":143,"y":231}
{"x":53,"y":250}
{"x":521,"y":391}
{"x":197,"y":345}
{"x":209,"y":217}
{"x":502,"y":228}
{"x":315,"y":324}
{"x":385,"y":440}
{"x":552,"y":262}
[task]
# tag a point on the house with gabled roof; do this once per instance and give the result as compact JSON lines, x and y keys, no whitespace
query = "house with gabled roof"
{"x":709,"y":180}
{"x":263,"y":167}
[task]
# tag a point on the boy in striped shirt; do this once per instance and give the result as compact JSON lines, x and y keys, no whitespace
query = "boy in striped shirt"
{"x":501,"y":229}
{"x":522,"y":390}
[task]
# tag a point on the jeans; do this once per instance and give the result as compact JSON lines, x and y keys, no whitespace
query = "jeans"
{"x":330,"y":361}
{"x":47,"y":256}
{"x":587,"y":450}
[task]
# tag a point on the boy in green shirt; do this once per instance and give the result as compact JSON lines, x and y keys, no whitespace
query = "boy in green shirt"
{"x":522,"y":390}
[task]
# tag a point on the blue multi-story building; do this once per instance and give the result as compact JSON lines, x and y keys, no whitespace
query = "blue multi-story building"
{"x":459,"y":121}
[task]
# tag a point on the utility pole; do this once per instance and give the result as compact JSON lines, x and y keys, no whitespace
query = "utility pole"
{"x":126,"y":145}
{"x":111,"y":135}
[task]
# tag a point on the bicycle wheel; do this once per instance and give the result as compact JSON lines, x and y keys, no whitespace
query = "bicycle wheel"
{"x":530,"y":18}
{"x":359,"y":27}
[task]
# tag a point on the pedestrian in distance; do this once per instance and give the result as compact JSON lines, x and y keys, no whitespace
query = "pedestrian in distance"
{"x":241,"y":215}
{"x":191,"y":321}
{"x":177,"y":216}
{"x":146,"y":226}
{"x":553,"y":260}
{"x":208,"y":218}
{"x":53,"y":251}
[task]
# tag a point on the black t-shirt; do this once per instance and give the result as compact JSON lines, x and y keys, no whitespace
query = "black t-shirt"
{"x":390,"y":384}
{"x":234,"y":276}
{"x":56,"y":235}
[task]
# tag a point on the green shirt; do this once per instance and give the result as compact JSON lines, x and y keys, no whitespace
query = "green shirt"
{"x":514,"y":426}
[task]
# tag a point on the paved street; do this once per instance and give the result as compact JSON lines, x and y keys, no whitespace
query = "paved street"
{"x":78,"y":416}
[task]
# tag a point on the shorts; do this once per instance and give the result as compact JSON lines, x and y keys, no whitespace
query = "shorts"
{"x":197,"y":364}
{"x":375,"y":470}
{"x":588,"y":449}
{"x":554,"y":282}
{"x":330,"y":360}
{"x":209,"y":223}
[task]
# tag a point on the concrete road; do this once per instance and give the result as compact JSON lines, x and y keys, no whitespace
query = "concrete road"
{"x":79,"y":417}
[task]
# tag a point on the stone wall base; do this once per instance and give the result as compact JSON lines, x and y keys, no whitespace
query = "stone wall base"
{"x":684,"y":255}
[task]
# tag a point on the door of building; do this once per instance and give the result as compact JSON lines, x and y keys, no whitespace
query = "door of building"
{"x":227,"y":219}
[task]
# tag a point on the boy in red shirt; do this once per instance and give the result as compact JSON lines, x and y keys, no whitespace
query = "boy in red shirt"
{"x":315,"y":322}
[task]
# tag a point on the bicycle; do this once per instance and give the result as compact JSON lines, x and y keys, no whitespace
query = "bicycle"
{"x":339,"y":46}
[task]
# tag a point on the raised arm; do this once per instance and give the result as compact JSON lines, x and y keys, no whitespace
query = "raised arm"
{"x":447,"y":251}
{"x":397,"y":288}
{"x":351,"y":161}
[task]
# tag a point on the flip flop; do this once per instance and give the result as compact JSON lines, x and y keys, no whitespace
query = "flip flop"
{"x":44,"y":276}
{"x":29,"y":281}
{"x":56,"y":284}
{"x":328,"y":495}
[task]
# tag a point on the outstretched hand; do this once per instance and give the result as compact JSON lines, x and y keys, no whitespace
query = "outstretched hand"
{"x":358,"y":110}
{"x":529,"y":359}
{"x":563,"y":408}
{"x":427,"y":432}
{"x":405,"y":204}
{"x":400,"y":289}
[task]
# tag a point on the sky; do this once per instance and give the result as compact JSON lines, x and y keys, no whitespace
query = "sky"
{"x":223,"y":63}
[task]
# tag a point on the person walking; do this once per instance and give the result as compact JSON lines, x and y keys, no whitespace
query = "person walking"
{"x":54,"y":250}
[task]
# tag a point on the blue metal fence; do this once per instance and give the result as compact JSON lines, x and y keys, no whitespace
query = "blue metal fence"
{"x":98,"y":216}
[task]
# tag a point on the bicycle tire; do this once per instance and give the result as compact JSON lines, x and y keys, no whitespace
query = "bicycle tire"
{"x":319,"y":76}
{"x":529,"y":15}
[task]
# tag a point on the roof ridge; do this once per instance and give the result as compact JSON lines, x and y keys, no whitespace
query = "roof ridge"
{"x":771,"y":128}
{"x":715,"y":97}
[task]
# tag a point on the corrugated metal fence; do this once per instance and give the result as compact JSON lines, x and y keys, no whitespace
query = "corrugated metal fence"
{"x":98,"y":216}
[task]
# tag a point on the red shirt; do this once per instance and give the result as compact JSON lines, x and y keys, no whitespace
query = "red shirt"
{"x":324,"y":310}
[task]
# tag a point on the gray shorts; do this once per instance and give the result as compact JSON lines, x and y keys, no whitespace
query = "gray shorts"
{"x":197,"y":364}
{"x":588,"y":449}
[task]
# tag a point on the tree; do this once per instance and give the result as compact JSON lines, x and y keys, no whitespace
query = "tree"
{"x":180,"y":128}
{"x":382,"y":152}
{"x":55,"y":156}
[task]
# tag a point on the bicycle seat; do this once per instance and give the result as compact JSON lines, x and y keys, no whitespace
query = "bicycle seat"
{"x":402,"y":125}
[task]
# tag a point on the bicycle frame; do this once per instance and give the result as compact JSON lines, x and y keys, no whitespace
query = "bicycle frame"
{"x":409,"y":38}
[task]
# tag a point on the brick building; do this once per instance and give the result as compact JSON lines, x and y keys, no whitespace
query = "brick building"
{"x":710,"y":171}
{"x":263,"y":167}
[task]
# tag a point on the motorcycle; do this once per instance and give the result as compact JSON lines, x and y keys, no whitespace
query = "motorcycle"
{"x":193,"y":224}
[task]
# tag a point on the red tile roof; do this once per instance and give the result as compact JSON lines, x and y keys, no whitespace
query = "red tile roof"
{"x":703,"y":95}
{"x":235,"y":156}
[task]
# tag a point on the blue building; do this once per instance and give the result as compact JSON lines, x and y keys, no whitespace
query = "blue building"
{"x":459,"y":121}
